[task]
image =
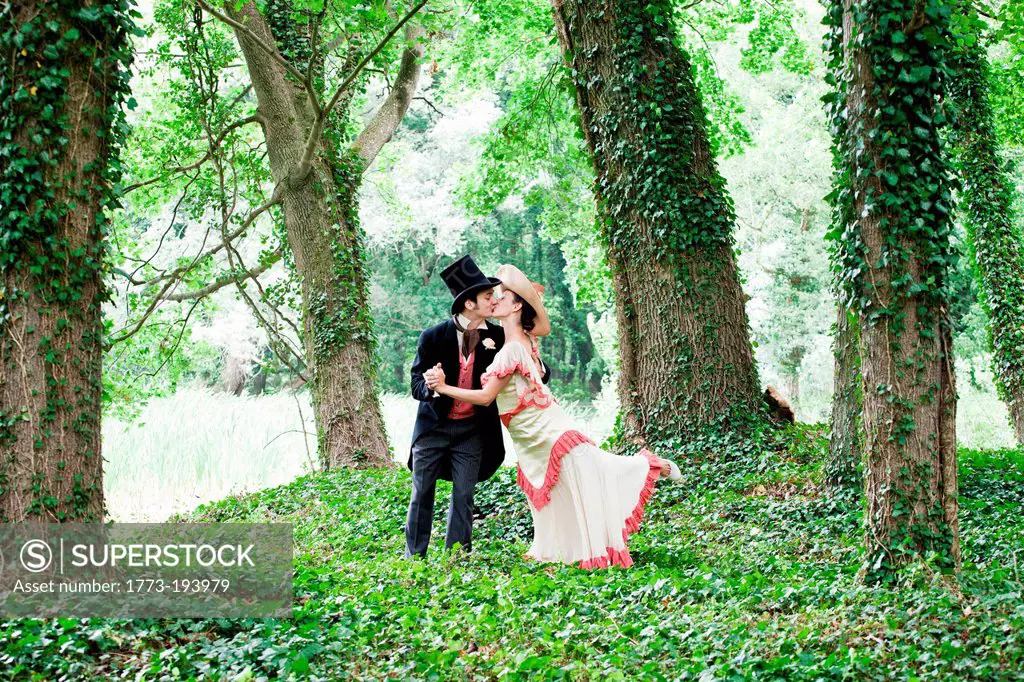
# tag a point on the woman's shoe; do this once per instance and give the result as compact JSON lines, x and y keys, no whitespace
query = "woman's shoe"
{"x":674,"y":474}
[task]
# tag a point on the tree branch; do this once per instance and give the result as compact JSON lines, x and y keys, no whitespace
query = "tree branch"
{"x":271,"y":50}
{"x":225,"y":280}
{"x":301,"y":172}
{"x":429,"y":104}
{"x":274,"y":200}
{"x":387,"y":119}
{"x":255,"y":118}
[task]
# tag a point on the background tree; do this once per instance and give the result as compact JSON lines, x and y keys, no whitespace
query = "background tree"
{"x":62,"y":93}
{"x":994,"y":238}
{"x":843,"y":470}
{"x":317,"y":176}
{"x":1005,"y":21}
{"x":305,"y":66}
{"x":685,"y":356}
{"x":889,"y":64}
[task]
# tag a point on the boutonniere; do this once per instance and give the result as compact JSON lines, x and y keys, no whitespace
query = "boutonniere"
{"x":488,"y":343}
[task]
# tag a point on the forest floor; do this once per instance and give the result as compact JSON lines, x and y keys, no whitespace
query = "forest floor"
{"x":743,"y":571}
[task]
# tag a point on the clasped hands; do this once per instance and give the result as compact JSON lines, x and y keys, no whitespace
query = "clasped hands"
{"x":434,"y":377}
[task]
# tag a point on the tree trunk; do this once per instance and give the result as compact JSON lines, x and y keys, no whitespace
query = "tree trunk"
{"x":62,"y":89}
{"x":893,"y":257}
{"x":259,"y":381}
{"x":846,"y":445}
{"x":233,"y":375}
{"x":321,"y":218}
{"x":995,"y":243}
{"x":686,"y":362}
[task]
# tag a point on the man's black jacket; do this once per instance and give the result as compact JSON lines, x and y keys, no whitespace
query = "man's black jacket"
{"x":440,"y":344}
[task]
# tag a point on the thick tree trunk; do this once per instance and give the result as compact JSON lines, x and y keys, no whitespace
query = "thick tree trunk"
{"x":894,"y":256}
{"x":321,"y":217}
{"x":846,"y":445}
{"x":61,"y":90}
{"x":686,"y":362}
{"x":995,"y":242}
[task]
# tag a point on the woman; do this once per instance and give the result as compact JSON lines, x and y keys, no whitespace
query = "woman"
{"x":585,"y":502}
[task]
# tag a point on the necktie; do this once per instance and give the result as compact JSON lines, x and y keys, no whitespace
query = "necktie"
{"x":470,"y":337}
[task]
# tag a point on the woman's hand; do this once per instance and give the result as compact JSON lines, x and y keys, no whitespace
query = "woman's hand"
{"x":435,"y":378}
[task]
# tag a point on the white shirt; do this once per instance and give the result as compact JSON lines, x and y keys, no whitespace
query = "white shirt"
{"x":464,"y":323}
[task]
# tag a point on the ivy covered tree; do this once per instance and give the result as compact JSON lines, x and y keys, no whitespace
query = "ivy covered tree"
{"x":63,"y":89}
{"x":317,"y":176}
{"x":686,"y":362}
{"x":889,"y":64}
{"x":305,"y":72}
{"x":843,"y":465}
{"x":994,"y":237}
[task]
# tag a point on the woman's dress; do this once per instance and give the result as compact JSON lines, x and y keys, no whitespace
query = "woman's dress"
{"x":585,"y":501}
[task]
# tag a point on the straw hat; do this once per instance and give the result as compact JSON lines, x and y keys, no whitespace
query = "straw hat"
{"x":513,"y":279}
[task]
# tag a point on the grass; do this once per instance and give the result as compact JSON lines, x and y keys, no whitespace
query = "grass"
{"x":744,"y":571}
{"x":198,"y":446}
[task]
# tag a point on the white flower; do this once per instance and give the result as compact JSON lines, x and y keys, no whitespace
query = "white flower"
{"x":488,"y":343}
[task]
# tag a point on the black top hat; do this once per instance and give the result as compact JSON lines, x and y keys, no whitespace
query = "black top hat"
{"x":465,"y":280}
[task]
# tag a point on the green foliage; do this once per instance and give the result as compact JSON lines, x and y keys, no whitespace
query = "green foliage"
{"x":994,"y":239}
{"x":1007,"y":77}
{"x":737,"y":576}
{"x":189,"y":121}
{"x":539,"y":135}
{"x":774,"y":38}
{"x":795,"y":298}
{"x":153,"y":364}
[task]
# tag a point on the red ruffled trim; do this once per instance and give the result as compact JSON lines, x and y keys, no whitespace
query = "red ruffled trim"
{"x":542,"y":495}
{"x":499,"y":373}
{"x":617,"y":557}
{"x":506,"y":417}
{"x":535,"y":396}
{"x":505,"y":371}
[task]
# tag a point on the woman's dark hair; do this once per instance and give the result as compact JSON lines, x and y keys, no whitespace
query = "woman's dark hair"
{"x":527,"y":315}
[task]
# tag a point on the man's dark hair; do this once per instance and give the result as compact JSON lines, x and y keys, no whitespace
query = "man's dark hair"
{"x":474,"y":298}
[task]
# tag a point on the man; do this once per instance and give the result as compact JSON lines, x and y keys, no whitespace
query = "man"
{"x":453,"y":440}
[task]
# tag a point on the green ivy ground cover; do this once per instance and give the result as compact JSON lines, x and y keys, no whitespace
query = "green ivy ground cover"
{"x":741,"y":573}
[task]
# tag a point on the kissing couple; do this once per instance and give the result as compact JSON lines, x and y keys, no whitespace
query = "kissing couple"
{"x":469,"y":376}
